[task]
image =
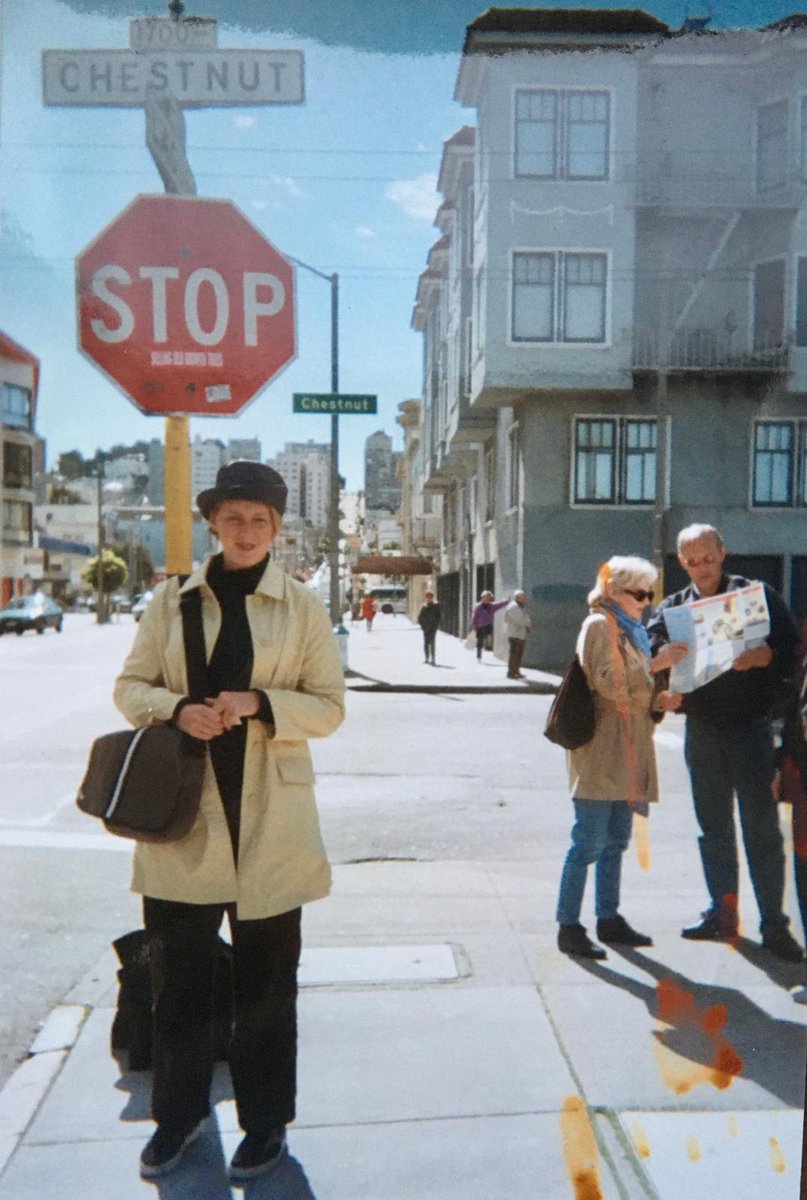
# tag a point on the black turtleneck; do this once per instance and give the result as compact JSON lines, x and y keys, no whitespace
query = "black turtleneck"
{"x":230,"y":670}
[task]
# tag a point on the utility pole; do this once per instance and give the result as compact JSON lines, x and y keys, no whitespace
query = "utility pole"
{"x":100,"y":602}
{"x":333,"y":502}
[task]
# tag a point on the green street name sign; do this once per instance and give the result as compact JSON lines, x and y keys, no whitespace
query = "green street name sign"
{"x":333,"y":402}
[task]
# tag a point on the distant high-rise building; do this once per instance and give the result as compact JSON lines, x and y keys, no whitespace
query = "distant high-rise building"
{"x":244,"y":448}
{"x":156,"y":466}
{"x":206,"y":458}
{"x":305,"y":466}
{"x":382,"y":488}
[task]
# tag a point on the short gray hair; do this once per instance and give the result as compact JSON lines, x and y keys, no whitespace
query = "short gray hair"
{"x":693,"y":533}
{"x":623,"y":572}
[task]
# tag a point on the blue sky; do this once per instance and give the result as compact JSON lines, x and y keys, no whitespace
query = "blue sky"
{"x":344,"y":182}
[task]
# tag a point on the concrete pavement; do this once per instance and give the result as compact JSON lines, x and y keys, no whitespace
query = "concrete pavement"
{"x":390,"y":657}
{"x":448,"y":1051}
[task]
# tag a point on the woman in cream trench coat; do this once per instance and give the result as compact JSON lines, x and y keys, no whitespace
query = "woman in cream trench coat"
{"x":282,"y":862}
{"x":254,"y":852}
{"x":613,"y":775}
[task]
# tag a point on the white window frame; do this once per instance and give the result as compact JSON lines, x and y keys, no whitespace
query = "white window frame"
{"x":490,"y":483}
{"x":561,"y":256}
{"x":752,"y":297}
{"x":800,"y":329}
{"x":8,"y":416}
{"x":513,"y":476}
{"x":560,"y":169}
{"x":620,"y":422}
{"x":467,"y":356}
{"x":798,"y":465}
{"x":15,"y":534}
{"x":763,"y":187}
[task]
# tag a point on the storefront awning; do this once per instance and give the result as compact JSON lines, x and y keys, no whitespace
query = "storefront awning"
{"x":392,"y":564}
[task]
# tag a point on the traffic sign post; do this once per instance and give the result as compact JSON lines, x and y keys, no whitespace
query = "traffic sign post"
{"x":207,"y":350}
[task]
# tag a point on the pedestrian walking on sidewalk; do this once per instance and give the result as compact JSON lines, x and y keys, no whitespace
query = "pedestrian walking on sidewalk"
{"x":614,"y":775}
{"x":729,"y":749}
{"x":429,"y":622}
{"x":255,"y":852}
{"x":482,"y":620}
{"x":369,"y":608}
{"x":518,"y":624}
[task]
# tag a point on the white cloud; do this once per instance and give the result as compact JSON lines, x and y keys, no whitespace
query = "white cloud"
{"x":364,"y":231}
{"x":417,"y":197}
{"x":288,"y":185}
{"x":260,"y":205}
{"x":244,"y":121}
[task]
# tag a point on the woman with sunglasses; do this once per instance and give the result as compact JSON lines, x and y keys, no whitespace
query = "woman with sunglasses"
{"x":613,"y":775}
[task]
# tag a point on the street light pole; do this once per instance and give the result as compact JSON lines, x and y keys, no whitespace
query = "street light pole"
{"x":333,"y":508}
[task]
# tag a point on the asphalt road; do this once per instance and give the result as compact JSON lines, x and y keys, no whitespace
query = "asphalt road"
{"x":427,"y":777}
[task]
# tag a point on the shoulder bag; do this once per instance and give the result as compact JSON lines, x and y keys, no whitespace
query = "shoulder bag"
{"x":147,"y":783}
{"x":571,"y":718}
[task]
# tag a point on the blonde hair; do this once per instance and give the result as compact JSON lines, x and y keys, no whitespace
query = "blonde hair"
{"x":623,"y":572}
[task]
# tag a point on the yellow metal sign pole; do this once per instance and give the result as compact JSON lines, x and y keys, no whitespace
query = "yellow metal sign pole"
{"x":178,"y":524}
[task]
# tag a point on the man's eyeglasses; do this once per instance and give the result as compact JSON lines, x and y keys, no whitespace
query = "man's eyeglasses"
{"x":639,"y":594}
{"x":706,"y":560}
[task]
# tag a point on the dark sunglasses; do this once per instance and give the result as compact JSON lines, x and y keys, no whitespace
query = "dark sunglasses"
{"x":639,"y":594}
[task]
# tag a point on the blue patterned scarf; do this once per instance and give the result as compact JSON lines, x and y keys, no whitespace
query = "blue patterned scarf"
{"x":633,"y":629}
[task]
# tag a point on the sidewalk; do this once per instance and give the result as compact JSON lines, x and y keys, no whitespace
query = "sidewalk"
{"x":449,"y":1052}
{"x":390,"y":658}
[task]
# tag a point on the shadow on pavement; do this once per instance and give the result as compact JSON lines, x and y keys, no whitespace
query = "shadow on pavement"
{"x":772,"y":1051}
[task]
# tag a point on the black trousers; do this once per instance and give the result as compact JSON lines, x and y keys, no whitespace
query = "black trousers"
{"x":516,"y":654}
{"x":263,"y":1052}
{"x":429,"y":638}
{"x":483,"y":633}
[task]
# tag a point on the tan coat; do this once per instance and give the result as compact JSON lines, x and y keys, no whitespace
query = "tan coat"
{"x":281,"y":858}
{"x":599,"y":770}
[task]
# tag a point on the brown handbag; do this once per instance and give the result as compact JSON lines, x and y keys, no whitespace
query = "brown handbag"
{"x":147,"y":783}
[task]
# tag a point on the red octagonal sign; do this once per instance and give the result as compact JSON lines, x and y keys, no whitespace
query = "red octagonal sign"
{"x":186,"y":306}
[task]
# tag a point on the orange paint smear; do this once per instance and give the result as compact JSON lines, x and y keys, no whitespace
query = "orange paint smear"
{"x":677,"y":1007}
{"x":693,"y":1149}
{"x":777,"y":1156}
{"x":640,"y":1140}
{"x":580,"y":1150}
{"x":641,"y":833}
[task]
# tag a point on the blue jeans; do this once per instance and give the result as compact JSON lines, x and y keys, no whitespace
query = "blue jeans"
{"x":600,"y":834}
{"x":723,"y":760}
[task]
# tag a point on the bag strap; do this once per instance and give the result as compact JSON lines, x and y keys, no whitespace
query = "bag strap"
{"x":190,"y":604}
{"x":623,"y":702}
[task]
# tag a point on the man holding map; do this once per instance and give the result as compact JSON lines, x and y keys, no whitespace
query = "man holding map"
{"x":742,"y":646}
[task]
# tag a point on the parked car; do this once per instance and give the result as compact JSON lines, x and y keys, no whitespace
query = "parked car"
{"x":139,"y":606}
{"x":31,"y":612}
{"x":120,"y":602}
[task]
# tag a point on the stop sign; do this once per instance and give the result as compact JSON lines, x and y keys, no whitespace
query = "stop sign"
{"x":185,"y":305}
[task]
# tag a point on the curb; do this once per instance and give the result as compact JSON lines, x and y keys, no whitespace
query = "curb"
{"x":24,"y":1090}
{"x":534,"y":689}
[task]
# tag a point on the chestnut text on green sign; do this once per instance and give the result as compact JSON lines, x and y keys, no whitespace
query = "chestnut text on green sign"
{"x":333,"y":402}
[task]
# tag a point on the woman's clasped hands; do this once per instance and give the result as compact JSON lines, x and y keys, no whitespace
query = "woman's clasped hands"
{"x":217,"y":714}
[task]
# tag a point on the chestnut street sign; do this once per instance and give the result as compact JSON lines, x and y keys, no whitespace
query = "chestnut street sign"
{"x":333,"y":402}
{"x":207,"y":77}
{"x":186,"y":306}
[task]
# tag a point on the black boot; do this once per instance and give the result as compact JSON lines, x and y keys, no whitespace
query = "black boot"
{"x":573,"y":939}
{"x":615,"y":931}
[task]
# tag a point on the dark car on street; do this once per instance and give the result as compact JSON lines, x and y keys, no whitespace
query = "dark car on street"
{"x":31,"y":612}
